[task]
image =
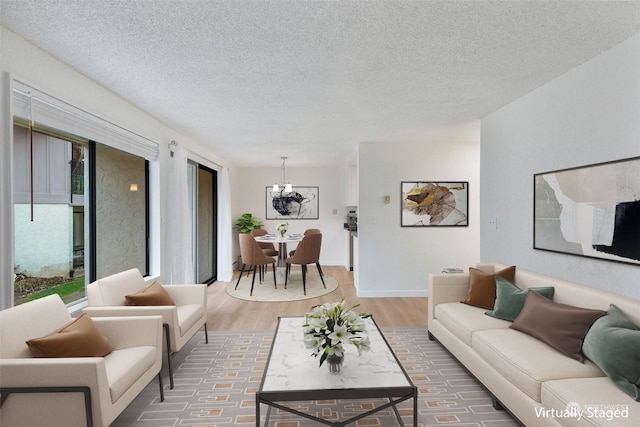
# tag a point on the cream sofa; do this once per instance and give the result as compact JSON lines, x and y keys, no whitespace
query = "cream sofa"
{"x":533,"y":381}
{"x":73,"y":391}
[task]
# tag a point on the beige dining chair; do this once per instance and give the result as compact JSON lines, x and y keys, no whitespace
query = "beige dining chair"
{"x":268,"y":248}
{"x":252,"y":256}
{"x":306,"y":232}
{"x":307,"y":252}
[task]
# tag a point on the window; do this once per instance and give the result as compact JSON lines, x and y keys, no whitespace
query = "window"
{"x":121,"y":220}
{"x":49,"y":208}
{"x":80,"y":213}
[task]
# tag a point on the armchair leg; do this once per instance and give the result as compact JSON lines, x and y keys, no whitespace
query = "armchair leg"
{"x":321,"y":275}
{"x":86,"y":392}
{"x":206,"y":333}
{"x":168,"y":342}
{"x":161,"y":386}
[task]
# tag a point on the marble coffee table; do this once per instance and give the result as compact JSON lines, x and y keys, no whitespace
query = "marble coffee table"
{"x":292,"y":374}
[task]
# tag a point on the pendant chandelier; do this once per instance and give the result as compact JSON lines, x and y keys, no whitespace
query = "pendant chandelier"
{"x":286,"y":186}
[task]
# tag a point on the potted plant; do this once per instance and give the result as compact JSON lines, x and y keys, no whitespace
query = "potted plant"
{"x":246,"y":223}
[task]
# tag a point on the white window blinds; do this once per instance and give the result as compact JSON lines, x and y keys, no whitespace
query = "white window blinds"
{"x":32,"y":104}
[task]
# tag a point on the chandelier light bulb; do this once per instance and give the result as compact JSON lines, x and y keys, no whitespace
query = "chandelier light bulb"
{"x":285,"y":186}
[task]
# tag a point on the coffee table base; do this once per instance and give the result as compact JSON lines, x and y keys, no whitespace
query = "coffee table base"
{"x":392,"y":403}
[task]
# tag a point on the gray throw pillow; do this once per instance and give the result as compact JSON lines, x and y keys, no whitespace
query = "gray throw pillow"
{"x":613,"y":343}
{"x":510,"y":299}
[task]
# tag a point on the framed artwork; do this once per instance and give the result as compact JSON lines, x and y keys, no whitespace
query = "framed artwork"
{"x":301,"y":203}
{"x":434,"y":204}
{"x":591,"y":211}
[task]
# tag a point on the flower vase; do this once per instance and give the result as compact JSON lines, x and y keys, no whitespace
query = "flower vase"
{"x":334,"y":363}
{"x":282,"y":232}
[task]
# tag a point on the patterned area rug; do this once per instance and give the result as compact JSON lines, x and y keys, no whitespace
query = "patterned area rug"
{"x":266,"y":292}
{"x":215,"y":386}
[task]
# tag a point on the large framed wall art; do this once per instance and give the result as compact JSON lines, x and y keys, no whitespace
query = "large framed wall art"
{"x":433,"y":204}
{"x":301,"y":203}
{"x":591,"y":211}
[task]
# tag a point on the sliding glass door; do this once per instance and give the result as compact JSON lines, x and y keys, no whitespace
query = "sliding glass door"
{"x":202,"y":183}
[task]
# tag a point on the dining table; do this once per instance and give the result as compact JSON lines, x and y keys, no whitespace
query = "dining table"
{"x":281,"y":240}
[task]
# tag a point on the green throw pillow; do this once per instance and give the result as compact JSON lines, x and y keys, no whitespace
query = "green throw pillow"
{"x":613,"y":343}
{"x":510,"y":299}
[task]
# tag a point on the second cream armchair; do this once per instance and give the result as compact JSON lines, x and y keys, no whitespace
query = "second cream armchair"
{"x":107,"y":297}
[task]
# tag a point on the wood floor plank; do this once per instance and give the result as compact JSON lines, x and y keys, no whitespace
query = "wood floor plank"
{"x":230,"y":314}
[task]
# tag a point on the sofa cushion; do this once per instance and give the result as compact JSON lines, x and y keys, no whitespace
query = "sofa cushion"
{"x":110,"y":290}
{"x":463,"y":320}
{"x":125,"y":366}
{"x":613,"y":343}
{"x":30,"y":320}
{"x":510,"y":299}
{"x":154,"y":294}
{"x":80,"y":338}
{"x":602,"y":403}
{"x":527,"y":362}
{"x":188,"y":315}
{"x":561,"y":326}
{"x":482,"y":286}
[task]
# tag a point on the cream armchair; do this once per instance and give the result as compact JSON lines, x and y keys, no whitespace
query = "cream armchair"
{"x":73,"y":391}
{"x":106,"y":297}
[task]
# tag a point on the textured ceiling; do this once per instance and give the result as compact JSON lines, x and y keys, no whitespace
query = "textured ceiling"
{"x":257,"y":80}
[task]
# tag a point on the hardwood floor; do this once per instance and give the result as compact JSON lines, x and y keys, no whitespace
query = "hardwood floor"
{"x":230,"y":314}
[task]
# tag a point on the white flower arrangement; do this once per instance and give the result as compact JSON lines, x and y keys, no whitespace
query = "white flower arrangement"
{"x":329,"y":326}
{"x":283,"y":227}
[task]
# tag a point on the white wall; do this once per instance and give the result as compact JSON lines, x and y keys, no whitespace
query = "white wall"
{"x":248,"y":191}
{"x":20,"y":59}
{"x":589,"y":115}
{"x":6,"y":176}
{"x":395,"y":260}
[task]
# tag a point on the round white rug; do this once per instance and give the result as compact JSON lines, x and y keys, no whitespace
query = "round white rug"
{"x":265,"y":291}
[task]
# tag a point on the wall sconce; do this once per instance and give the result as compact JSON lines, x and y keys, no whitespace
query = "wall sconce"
{"x":133,"y":187}
{"x":173,"y":145}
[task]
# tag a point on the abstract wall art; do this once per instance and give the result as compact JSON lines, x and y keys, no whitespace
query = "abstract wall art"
{"x":434,"y":203}
{"x":301,"y":203}
{"x":591,"y":211}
